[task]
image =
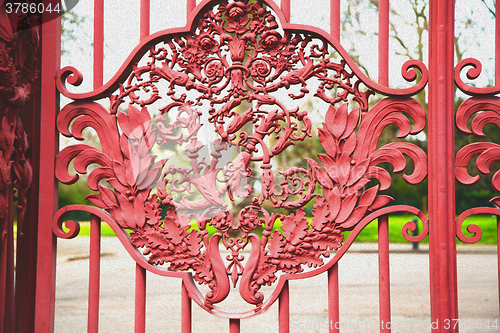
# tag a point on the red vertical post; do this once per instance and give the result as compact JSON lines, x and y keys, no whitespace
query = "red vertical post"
{"x":384,"y":285}
{"x":383,"y":42}
{"x":497,"y":43}
{"x":185,"y":310}
{"x":284,"y":309}
{"x":140,"y":299}
{"x":190,"y":6}
{"x":498,"y":261}
{"x":285,"y":8}
{"x":98,"y":42}
{"x":234,"y":326}
{"x":335,"y":19}
{"x":442,"y":241}
{"x":333,"y":299}
{"x":7,"y":305}
{"x":145,"y":18}
{"x":94,"y":273}
{"x":140,"y":272}
{"x":47,"y":203}
{"x":383,"y":225}
{"x":333,"y":272}
{"x":27,"y":241}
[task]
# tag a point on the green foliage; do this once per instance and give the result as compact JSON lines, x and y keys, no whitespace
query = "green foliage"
{"x":75,"y":195}
{"x":369,"y":234}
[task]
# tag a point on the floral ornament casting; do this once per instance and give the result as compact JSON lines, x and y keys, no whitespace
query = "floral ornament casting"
{"x":222,"y":75}
{"x":19,"y":44}
{"x":351,"y":160}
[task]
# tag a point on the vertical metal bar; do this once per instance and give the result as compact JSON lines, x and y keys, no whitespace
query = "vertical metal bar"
{"x":333,"y":299}
{"x":384,"y":286}
{"x":383,"y":42}
{"x":498,"y":262}
{"x":442,"y":241}
{"x":284,"y":309}
{"x":190,"y":6}
{"x":145,"y":17}
{"x":95,"y":223}
{"x":383,"y":225}
{"x":497,"y":43}
{"x":185,"y":310}
{"x":140,"y":272}
{"x":98,"y":42}
{"x":3,"y":277}
{"x":335,"y":19}
{"x":9,"y":299}
{"x":47,"y":203}
{"x":285,"y":8}
{"x":234,"y":326}
{"x":94,"y":273}
{"x":140,"y":299}
{"x":7,"y":303}
{"x":26,"y":240}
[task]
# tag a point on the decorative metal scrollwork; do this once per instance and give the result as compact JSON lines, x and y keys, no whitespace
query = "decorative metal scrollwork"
{"x":481,"y":110}
{"x":178,"y":83}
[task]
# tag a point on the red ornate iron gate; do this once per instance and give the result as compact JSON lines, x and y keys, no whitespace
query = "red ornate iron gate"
{"x":242,"y":70}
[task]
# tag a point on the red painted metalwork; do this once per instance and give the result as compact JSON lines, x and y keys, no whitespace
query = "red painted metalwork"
{"x":442,"y":241}
{"x":229,"y":54}
{"x":186,"y":310}
{"x":384,"y":273}
{"x":49,"y":144}
{"x":234,"y":326}
{"x":94,"y":273}
{"x":140,"y":299}
{"x":335,"y":18}
{"x":19,"y":71}
{"x":225,"y":70}
{"x":284,"y":309}
{"x":482,"y":110}
{"x":98,"y":43}
{"x":383,"y":42}
{"x":20,"y":53}
{"x":333,"y":272}
{"x":333,"y":299}
{"x":145,"y":18}
{"x":383,"y":221}
{"x":191,"y":4}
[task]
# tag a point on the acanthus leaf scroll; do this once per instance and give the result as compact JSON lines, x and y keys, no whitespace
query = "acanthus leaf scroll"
{"x":478,"y":111}
{"x":237,"y":56}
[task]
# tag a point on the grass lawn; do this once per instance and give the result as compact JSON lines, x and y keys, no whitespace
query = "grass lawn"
{"x":369,"y":233}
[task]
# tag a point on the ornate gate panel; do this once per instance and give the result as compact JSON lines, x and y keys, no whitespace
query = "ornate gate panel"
{"x":188,"y":172}
{"x":234,"y":54}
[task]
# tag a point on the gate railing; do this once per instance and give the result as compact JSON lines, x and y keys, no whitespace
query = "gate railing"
{"x":342,"y":210}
